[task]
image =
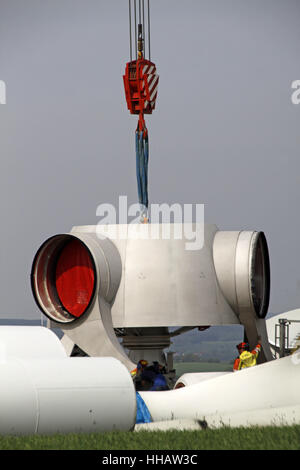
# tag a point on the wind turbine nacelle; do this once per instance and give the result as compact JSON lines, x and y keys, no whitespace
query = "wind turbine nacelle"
{"x":89,"y":284}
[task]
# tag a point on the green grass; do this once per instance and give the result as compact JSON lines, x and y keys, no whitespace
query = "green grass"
{"x":255,"y":438}
{"x":185,"y":367}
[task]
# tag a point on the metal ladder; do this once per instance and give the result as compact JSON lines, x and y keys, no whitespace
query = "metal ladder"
{"x":282,"y":336}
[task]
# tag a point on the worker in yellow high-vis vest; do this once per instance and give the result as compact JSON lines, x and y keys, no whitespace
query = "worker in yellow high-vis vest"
{"x":246,"y":358}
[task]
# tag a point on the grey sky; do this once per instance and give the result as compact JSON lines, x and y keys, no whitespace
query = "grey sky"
{"x":224,"y":133}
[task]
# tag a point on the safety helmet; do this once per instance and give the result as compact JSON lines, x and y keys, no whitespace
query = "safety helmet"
{"x":142,"y":364}
{"x":242,"y":346}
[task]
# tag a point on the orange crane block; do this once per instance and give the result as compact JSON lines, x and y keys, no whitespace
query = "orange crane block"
{"x":140,"y":83}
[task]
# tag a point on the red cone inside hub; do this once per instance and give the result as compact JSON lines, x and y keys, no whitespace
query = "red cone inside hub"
{"x":75,"y":278}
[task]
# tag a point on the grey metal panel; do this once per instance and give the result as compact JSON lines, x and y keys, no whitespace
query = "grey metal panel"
{"x":163,"y":284}
{"x":169,"y":286}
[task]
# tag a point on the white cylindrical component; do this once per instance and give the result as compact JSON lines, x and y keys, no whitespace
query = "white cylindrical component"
{"x":70,"y":270}
{"x":64,"y":278}
{"x":68,"y":395}
{"x":194,"y":378}
{"x":18,"y":400}
{"x":271,"y":387}
{"x":75,"y":279}
{"x":68,"y":273}
{"x":29,"y":342}
{"x":243,"y":271}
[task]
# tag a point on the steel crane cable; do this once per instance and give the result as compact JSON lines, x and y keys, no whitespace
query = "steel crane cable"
{"x":149,"y":29}
{"x":130,"y":33}
{"x":135,"y":32}
{"x":141,"y":14}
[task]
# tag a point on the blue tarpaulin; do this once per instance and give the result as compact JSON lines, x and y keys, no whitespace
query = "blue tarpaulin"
{"x":142,"y":412}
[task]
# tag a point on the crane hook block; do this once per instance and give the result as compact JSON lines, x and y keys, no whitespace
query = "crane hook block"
{"x":140,"y":83}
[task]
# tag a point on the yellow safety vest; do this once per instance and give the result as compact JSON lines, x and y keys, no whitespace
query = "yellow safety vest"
{"x":247,"y":359}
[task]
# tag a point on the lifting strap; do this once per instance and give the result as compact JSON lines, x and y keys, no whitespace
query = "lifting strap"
{"x":142,"y":157}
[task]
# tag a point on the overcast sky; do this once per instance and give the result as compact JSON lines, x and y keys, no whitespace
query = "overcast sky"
{"x":225,"y":132}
